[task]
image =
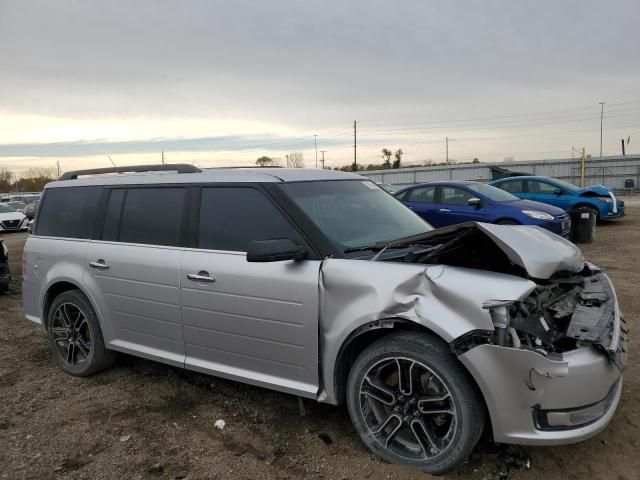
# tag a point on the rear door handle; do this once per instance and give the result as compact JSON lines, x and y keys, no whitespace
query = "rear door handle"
{"x":201,"y":276}
{"x":100,"y":264}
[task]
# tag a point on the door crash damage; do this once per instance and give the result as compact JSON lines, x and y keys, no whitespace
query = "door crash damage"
{"x":537,"y":327}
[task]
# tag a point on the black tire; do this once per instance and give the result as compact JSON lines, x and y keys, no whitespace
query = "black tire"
{"x":75,"y":336}
{"x":463,"y":424}
{"x":506,"y":221}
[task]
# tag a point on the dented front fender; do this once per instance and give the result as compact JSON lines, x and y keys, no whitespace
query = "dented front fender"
{"x":444,"y":299}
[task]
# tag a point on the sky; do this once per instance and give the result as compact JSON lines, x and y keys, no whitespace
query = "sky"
{"x":220,"y":83}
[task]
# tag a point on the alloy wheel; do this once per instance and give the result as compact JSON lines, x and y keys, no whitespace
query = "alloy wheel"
{"x":71,"y":334}
{"x":407,"y":408}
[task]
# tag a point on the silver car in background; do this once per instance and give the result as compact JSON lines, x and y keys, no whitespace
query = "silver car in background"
{"x":321,"y":285}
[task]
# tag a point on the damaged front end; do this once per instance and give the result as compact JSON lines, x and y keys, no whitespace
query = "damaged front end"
{"x":537,"y":327}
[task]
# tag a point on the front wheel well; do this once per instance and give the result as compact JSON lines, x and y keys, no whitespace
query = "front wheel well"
{"x":53,"y":291}
{"x":362,"y":337}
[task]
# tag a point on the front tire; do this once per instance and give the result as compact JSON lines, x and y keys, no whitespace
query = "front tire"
{"x":75,"y":336}
{"x":412,"y":403}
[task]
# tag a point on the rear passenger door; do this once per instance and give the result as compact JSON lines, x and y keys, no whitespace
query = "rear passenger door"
{"x":253,"y":322}
{"x":133,"y":271}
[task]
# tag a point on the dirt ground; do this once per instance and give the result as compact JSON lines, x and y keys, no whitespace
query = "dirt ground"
{"x":146,"y":420}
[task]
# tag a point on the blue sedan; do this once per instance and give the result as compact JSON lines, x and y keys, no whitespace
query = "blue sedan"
{"x":447,"y":203}
{"x":564,"y":195}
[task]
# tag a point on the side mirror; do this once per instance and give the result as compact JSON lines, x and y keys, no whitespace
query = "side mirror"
{"x":475,"y":202}
{"x":557,"y":191}
{"x":275,"y":250}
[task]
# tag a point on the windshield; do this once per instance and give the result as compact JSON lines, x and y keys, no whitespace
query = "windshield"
{"x":4,"y":208}
{"x":492,"y":193}
{"x":355,"y":213}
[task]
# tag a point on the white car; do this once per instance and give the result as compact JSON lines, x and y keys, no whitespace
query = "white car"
{"x":11,"y":220}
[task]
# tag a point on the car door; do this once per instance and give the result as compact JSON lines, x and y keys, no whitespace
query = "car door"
{"x":253,"y":322}
{"x":133,"y":272}
{"x":548,"y":193}
{"x":422,"y":200}
{"x":454,"y":207}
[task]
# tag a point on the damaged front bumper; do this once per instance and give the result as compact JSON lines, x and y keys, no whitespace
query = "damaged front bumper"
{"x":557,"y":398}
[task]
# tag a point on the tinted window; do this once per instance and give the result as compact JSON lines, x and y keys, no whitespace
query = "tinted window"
{"x":513,"y":186}
{"x":232,"y":217}
{"x":455,"y":196}
{"x":69,"y":212}
{"x":422,"y":195}
{"x":541,"y":187}
{"x":151,"y":216}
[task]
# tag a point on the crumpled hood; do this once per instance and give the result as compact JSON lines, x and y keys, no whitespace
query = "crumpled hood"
{"x":597,"y":189}
{"x":540,"y":252}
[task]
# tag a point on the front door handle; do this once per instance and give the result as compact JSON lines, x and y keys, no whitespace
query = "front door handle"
{"x":201,"y":276}
{"x":445,"y":210}
{"x":99,"y":264}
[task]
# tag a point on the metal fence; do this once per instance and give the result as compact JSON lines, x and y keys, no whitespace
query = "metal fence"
{"x":614,"y":172}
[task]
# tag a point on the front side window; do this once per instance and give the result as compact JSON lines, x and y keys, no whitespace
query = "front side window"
{"x":541,"y":187}
{"x":512,"y":186}
{"x":151,"y":216}
{"x":422,"y":195}
{"x":233,"y":217}
{"x":69,"y":212}
{"x":455,"y":196}
{"x":354,"y":213}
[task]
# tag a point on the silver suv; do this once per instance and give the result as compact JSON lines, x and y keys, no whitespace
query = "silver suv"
{"x":322,"y":285}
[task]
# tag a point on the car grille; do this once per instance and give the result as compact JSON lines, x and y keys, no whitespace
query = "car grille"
{"x":11,"y":224}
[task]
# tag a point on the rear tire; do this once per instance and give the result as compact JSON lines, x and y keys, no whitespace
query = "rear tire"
{"x":75,"y":336}
{"x":412,"y":403}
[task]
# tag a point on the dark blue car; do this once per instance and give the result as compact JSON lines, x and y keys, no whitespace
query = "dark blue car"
{"x":447,"y":203}
{"x":564,"y":195}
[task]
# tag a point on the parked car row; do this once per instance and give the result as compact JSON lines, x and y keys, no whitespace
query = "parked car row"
{"x":12,"y":220}
{"x":320,"y":284}
{"x":523,"y":200}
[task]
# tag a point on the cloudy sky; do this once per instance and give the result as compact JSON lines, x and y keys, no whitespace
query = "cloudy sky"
{"x":223,"y":82}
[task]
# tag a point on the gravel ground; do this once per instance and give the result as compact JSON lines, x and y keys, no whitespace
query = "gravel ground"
{"x":146,"y":420}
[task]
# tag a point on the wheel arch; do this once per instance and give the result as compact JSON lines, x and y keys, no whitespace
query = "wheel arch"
{"x":59,"y":287}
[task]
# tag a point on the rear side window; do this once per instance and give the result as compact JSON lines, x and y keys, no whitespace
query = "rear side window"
{"x":151,"y":216}
{"x":514,"y":186}
{"x":455,"y":196}
{"x":68,"y":212}
{"x":233,"y":217}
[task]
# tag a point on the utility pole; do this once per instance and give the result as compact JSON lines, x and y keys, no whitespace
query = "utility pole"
{"x":446,"y":142}
{"x":322,"y":152}
{"x":601,"y":119}
{"x":583,"y":162}
{"x":315,"y":143}
{"x":58,"y":165}
{"x":162,"y":157}
{"x":355,"y":146}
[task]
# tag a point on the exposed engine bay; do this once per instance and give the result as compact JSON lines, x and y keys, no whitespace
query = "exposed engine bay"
{"x":572,"y":305}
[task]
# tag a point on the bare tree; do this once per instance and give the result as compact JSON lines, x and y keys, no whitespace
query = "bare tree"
{"x":6,"y":179}
{"x":398,"y":156}
{"x":295,"y":160}
{"x":386,"y":155}
{"x":34,"y":179}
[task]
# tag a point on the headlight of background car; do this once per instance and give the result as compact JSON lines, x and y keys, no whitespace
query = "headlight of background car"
{"x":537,"y":215}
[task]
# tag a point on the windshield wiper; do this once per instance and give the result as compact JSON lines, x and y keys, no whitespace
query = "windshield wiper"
{"x":375,"y":246}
